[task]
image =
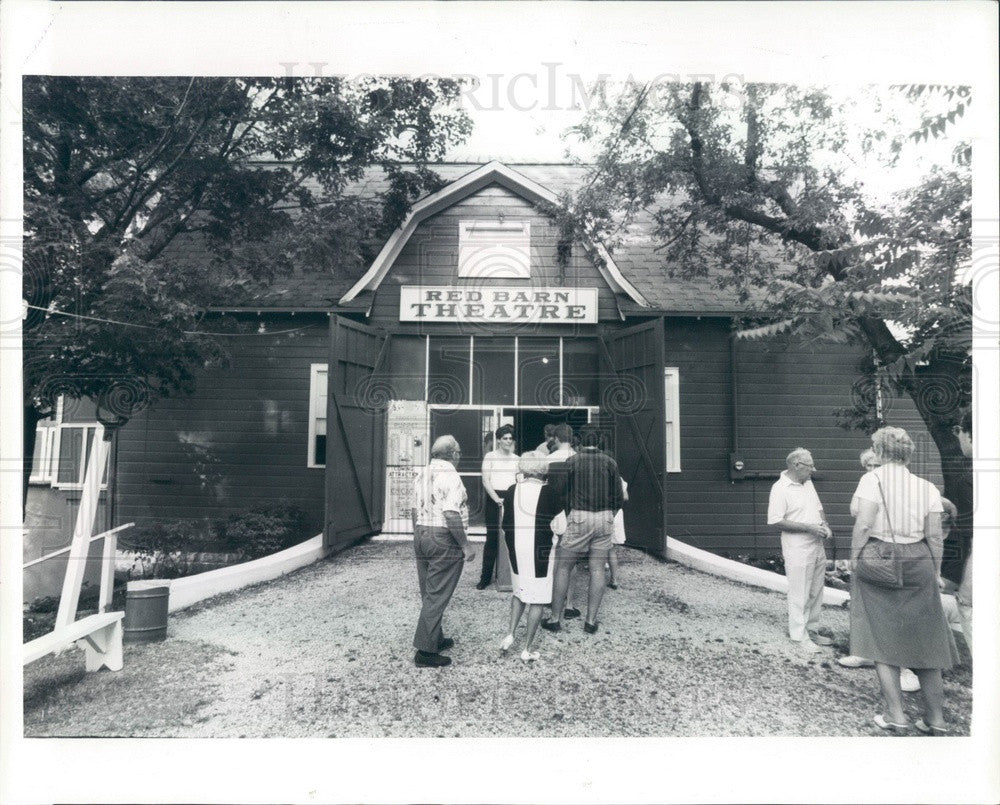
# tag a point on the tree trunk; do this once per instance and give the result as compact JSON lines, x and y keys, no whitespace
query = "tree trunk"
{"x":930,"y":392}
{"x":32,"y":417}
{"x":936,"y":392}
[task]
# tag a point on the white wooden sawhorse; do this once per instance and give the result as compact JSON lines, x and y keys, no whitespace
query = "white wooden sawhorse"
{"x":100,"y":635}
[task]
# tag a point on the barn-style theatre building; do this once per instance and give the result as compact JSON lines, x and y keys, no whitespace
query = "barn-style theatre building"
{"x":474,"y":314}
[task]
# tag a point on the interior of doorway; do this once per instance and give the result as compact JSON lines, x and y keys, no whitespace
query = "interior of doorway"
{"x":474,"y":427}
{"x":529,"y":423}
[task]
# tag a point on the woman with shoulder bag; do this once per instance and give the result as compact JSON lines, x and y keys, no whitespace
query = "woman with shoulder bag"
{"x":896,"y":614}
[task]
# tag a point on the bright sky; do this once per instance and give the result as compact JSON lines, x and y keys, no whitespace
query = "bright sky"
{"x":524,"y":120}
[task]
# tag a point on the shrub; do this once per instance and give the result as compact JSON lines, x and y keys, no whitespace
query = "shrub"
{"x":256,"y":532}
{"x":168,"y":537}
{"x":43,"y":604}
{"x":264,"y":529}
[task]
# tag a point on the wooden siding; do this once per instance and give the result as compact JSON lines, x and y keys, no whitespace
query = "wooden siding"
{"x":355,"y":446}
{"x":241,"y":438}
{"x":238,"y":441}
{"x":635,"y":389}
{"x":430,"y":257}
{"x":786,"y":397}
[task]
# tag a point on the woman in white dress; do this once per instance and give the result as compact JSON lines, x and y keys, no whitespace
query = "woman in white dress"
{"x":529,"y":508}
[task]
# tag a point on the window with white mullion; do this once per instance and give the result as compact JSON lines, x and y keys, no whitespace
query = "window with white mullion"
{"x":516,"y":373}
{"x":75,"y":442}
{"x":41,"y":462}
{"x":472,"y":359}
{"x":672,"y":418}
{"x":562,"y":390}
{"x":494,"y":249}
{"x":318,"y":387}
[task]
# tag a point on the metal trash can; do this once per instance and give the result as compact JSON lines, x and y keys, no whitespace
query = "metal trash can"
{"x":146,"y":606}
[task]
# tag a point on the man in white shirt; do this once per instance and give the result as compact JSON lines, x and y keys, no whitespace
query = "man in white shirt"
{"x":794,"y":508}
{"x":440,"y":541}
{"x":561,"y":443}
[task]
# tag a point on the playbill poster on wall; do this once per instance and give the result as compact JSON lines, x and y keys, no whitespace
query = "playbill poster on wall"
{"x":406,"y":451}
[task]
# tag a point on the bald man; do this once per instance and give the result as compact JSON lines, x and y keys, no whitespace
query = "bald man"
{"x":795,"y":510}
{"x":440,"y":541}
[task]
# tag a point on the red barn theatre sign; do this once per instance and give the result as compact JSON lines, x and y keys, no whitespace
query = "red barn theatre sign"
{"x":498,"y":303}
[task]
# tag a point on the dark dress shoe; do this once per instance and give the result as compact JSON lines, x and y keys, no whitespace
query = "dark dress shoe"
{"x":551,"y":626}
{"x":425,"y":659}
{"x":571,"y":612}
{"x":445,"y":644}
{"x":482,"y":585}
{"x":590,"y":628}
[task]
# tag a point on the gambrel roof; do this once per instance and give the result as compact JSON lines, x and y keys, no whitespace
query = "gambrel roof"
{"x":636,"y":270}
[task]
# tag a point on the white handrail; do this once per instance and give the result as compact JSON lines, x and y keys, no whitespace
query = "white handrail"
{"x":66,"y":549}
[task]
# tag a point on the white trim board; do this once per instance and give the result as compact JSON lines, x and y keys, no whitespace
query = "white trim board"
{"x":707,"y":562}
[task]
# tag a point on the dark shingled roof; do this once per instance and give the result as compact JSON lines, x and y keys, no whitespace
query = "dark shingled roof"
{"x":636,"y":257}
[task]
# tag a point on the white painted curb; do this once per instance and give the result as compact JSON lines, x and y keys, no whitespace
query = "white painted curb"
{"x":191,"y":589}
{"x":706,"y":562}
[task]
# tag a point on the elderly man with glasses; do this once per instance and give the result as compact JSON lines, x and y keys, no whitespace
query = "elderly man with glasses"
{"x":795,"y":510}
{"x":440,"y":540}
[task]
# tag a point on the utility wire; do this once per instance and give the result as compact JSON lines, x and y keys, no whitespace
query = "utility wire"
{"x":148,"y":327}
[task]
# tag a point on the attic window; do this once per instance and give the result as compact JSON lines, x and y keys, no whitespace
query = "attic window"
{"x":494,"y":249}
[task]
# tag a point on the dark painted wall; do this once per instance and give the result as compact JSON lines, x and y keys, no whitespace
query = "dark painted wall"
{"x":240,"y":440}
{"x":786,"y":396}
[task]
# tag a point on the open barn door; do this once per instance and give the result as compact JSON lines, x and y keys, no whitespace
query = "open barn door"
{"x":632,"y":415}
{"x":355,"y":443}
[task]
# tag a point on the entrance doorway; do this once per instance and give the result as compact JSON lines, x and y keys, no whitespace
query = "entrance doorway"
{"x":529,"y":423}
{"x":473,"y":427}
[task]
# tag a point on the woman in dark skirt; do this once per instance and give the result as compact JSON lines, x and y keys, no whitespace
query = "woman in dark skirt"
{"x":904,"y":627}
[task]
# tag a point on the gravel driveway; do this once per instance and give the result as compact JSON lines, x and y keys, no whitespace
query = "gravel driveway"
{"x":326,"y":652}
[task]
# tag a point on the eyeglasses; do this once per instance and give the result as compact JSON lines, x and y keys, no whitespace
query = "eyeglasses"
{"x":804,"y":464}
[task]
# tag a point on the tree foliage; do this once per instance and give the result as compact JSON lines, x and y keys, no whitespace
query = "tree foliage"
{"x":119,"y":171}
{"x":122,"y":174}
{"x":770,"y":190}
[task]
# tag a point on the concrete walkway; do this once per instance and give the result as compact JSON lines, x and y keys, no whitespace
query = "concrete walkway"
{"x":326,"y":652}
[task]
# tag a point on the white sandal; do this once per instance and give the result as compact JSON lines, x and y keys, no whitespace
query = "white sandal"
{"x":508,"y":641}
{"x":529,"y":656}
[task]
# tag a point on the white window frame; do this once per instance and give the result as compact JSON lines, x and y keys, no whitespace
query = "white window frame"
{"x":51,"y":435}
{"x":512,"y":269}
{"x":317,"y":410}
{"x":89,"y":430}
{"x":47,"y":436}
{"x":672,"y":417}
{"x":517,"y":356}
